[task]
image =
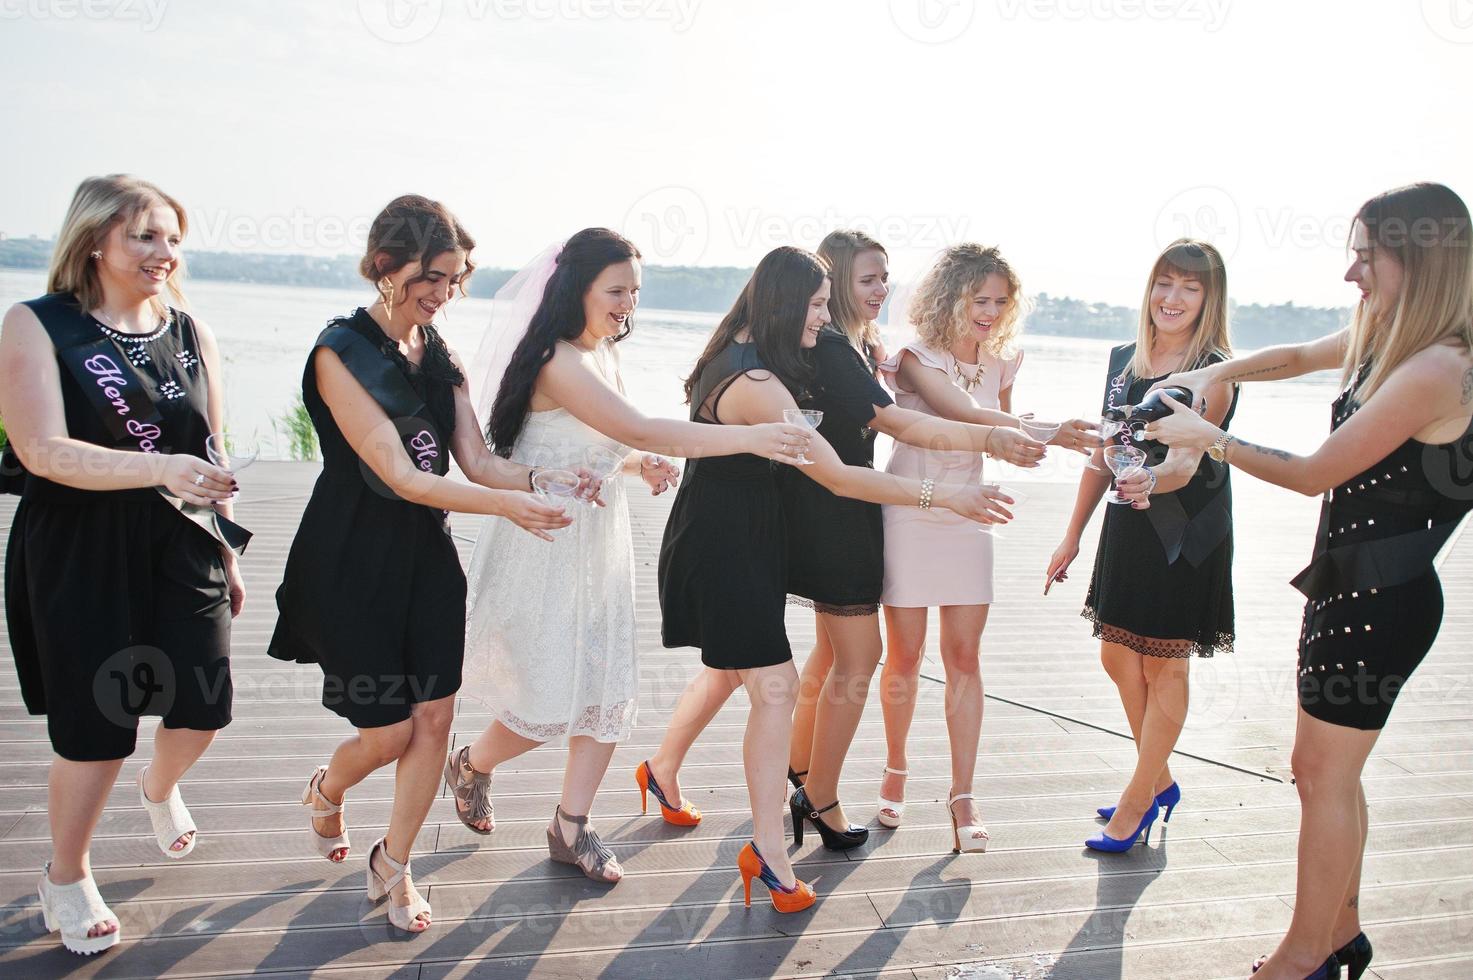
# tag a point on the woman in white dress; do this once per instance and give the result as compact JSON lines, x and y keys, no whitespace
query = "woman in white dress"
{"x":550,"y":630}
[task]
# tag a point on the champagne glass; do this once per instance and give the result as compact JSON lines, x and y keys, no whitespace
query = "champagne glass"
{"x":602,"y":464}
{"x":1122,"y":460}
{"x":1019,"y":499}
{"x":231,"y":452}
{"x":556,"y":487}
{"x":1042,"y":431}
{"x":803,"y":416}
{"x":1109,"y":429}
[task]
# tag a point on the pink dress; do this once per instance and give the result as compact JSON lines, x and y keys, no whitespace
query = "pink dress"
{"x":934,"y":557}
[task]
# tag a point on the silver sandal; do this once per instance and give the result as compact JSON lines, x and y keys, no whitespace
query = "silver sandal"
{"x":471,"y":789}
{"x":587,"y":853}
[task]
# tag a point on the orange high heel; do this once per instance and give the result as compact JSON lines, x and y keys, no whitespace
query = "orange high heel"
{"x":795,"y":899}
{"x":684,"y":815}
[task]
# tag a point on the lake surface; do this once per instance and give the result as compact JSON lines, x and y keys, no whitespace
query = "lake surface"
{"x":265,"y":332}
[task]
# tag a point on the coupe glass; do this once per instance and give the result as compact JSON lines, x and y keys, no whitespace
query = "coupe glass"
{"x":1122,"y":460}
{"x":557,"y":487}
{"x":1019,"y":499}
{"x":232,"y":452}
{"x":803,"y":416}
{"x":602,"y":464}
{"x":1042,"y":431}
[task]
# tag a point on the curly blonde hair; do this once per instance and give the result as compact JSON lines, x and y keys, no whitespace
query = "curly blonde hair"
{"x":939,"y":308}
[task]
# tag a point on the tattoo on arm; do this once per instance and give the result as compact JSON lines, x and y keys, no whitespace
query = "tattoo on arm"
{"x":1467,"y":387}
{"x":1264,"y":450}
{"x":1242,"y":375}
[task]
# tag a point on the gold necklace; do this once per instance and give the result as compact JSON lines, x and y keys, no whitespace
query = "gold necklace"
{"x":965,"y":381}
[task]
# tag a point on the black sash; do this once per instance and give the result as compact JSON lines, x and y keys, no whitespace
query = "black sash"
{"x":388,"y":386}
{"x":110,"y":386}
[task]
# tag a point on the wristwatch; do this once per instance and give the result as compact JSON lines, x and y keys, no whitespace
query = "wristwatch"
{"x":1218,"y":450}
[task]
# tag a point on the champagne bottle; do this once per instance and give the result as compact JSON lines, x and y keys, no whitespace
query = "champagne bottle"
{"x":1152,"y":408}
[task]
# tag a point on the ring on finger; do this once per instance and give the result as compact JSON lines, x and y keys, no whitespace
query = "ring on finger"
{"x":199,"y":480}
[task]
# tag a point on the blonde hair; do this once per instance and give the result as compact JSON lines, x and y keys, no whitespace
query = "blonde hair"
{"x":839,"y":249}
{"x":1193,"y":259}
{"x":1425,"y":227}
{"x":98,"y":204}
{"x":939,"y":308}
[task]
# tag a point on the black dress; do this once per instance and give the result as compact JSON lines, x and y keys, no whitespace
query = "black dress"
{"x":1163,"y":576}
{"x":1375,"y":601}
{"x":373,"y":589}
{"x":723,"y":560}
{"x":836,"y":545}
{"x":117,"y":604}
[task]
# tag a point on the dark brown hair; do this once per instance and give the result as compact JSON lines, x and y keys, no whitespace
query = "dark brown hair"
{"x":413,"y":228}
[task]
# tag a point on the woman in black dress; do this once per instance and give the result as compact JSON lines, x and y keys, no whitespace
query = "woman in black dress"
{"x":373,"y":589}
{"x":1393,"y":474}
{"x":118,"y":596}
{"x":836,"y":543}
{"x":723,"y":563}
{"x":1162,"y":588}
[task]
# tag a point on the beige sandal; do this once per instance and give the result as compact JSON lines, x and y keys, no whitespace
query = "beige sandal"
{"x":471,"y":789}
{"x":170,"y":819}
{"x":321,"y":807}
{"x":402,"y":916}
{"x":587,"y":853}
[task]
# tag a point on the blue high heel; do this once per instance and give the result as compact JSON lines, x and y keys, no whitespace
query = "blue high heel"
{"x":1104,"y":842}
{"x":1328,"y":970}
{"x":1167,"y":799}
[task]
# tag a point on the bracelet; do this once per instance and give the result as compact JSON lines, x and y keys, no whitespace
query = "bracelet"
{"x":987,"y":443}
{"x":531,"y":488}
{"x":1152,"y":474}
{"x":928,"y":486}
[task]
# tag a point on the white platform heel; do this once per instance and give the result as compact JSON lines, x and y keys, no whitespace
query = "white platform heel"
{"x":170,"y":819}
{"x":896,"y":807}
{"x":74,"y":909}
{"x":968,"y":838}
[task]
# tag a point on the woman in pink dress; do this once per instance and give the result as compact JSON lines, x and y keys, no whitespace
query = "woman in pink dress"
{"x":961,"y":366}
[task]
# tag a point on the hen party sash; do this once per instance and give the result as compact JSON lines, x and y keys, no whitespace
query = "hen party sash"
{"x":387,"y":386}
{"x":128,"y":413}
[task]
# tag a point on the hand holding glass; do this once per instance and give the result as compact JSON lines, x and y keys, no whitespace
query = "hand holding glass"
{"x":803,"y":416}
{"x":1122,"y":460}
{"x":556,"y":487}
{"x":231,"y":452}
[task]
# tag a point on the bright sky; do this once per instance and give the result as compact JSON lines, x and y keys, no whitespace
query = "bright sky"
{"x":1080,"y":135}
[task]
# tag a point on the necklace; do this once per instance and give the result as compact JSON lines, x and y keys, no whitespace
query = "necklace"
{"x":966,"y":381}
{"x":110,"y":326}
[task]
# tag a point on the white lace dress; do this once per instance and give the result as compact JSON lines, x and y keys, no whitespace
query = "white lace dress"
{"x":550,"y":631}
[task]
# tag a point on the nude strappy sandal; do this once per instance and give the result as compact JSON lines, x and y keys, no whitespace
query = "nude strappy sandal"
{"x":170,"y":819}
{"x":471,"y":789}
{"x":897,"y":806}
{"x":320,"y":807}
{"x":401,"y":916}
{"x":965,"y":837}
{"x":74,"y":909}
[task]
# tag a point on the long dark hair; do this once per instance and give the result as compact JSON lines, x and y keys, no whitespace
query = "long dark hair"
{"x":559,"y":317}
{"x":772,"y":308}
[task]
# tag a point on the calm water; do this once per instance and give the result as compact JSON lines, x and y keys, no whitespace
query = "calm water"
{"x":265,"y":332}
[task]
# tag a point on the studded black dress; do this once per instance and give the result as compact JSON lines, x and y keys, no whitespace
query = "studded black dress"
{"x":1375,"y":601}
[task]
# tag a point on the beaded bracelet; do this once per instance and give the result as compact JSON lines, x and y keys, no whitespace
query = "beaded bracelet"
{"x":531,"y":487}
{"x":927,"y":487}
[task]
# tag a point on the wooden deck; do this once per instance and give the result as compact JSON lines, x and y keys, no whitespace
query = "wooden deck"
{"x":1210,"y":892}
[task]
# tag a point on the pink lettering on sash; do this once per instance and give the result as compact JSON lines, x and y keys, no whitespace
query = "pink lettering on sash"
{"x":146,"y":433}
{"x":426,"y":449}
{"x":110,"y":379}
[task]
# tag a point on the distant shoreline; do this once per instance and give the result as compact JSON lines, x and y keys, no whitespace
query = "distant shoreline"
{"x":712,"y":289}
